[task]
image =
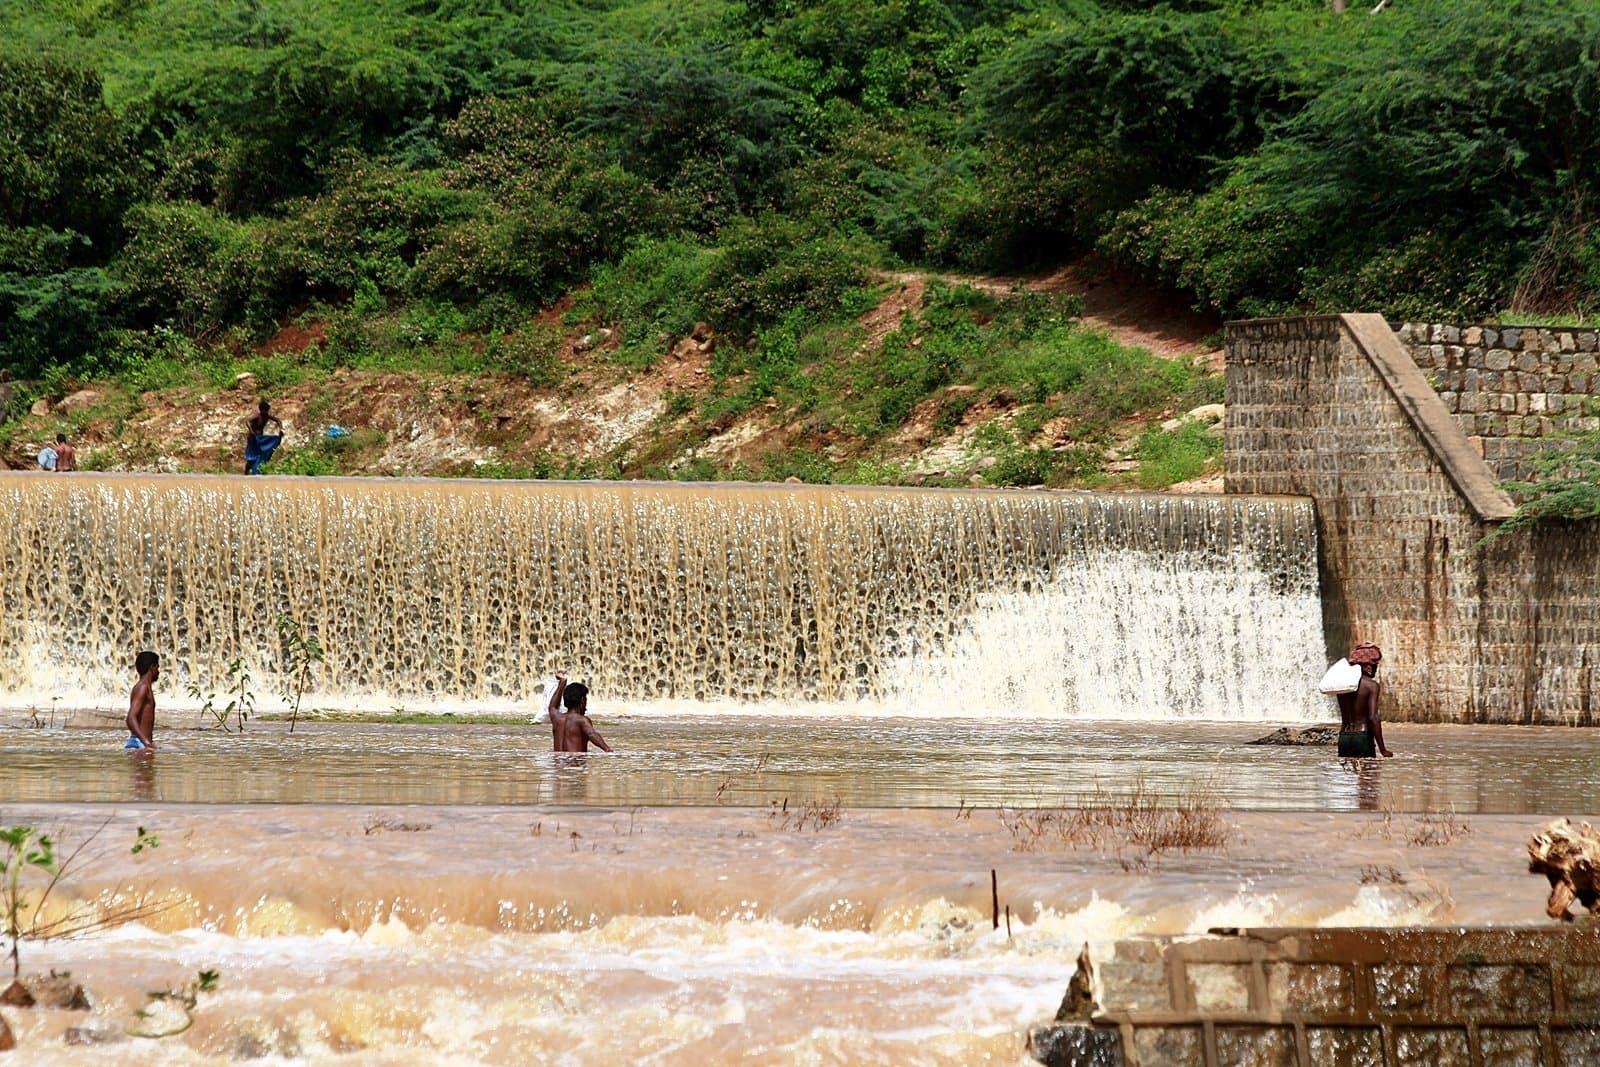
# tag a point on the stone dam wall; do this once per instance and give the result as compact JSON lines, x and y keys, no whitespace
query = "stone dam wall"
{"x":1336,"y":408}
{"x":1336,"y":998}
{"x":1512,"y":389}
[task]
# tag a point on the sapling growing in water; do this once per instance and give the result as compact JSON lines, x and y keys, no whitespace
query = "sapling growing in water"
{"x":301,"y":651}
{"x":240,"y":708}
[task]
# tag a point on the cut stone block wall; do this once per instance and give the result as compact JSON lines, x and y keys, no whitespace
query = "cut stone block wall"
{"x":1334,"y":408}
{"x":1511,"y":389}
{"x":1340,"y":998}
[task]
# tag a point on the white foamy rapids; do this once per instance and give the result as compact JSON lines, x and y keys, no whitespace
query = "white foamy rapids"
{"x":465,"y":596}
{"x":635,"y":989}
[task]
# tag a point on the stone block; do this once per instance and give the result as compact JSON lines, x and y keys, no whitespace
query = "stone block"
{"x":1580,"y":986}
{"x":1497,"y":359}
{"x":1537,"y":402}
{"x":1431,"y":1046}
{"x":1134,"y":986}
{"x":1169,"y":1046}
{"x":1256,"y":1046}
{"x":1566,"y":342}
{"x":1510,"y":1047}
{"x":1576,"y":1048}
{"x":1219,"y":987}
{"x":1472,"y":335}
{"x":1077,"y":1046}
{"x":1511,"y":338}
{"x":1491,"y":337}
{"x":1451,"y":334}
{"x":1344,"y":1046}
{"x":1586,"y":341}
{"x":1311,"y":988}
{"x":1401,"y":987}
{"x":1528,"y":361}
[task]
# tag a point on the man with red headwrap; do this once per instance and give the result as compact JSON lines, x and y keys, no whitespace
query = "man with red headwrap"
{"x":1360,"y":732}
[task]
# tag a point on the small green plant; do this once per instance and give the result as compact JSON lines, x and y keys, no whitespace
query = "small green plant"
{"x":29,"y":854}
{"x":243,"y":704}
{"x":302,"y":651}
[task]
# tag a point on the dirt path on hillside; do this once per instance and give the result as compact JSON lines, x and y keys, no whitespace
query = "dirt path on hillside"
{"x":1114,"y":300}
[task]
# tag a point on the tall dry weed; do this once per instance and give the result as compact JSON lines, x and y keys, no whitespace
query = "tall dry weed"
{"x":1135,"y":826}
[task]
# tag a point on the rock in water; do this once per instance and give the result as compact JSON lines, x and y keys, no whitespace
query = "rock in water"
{"x":1078,"y":1005}
{"x":1309,"y":735}
{"x":8,"y":1040}
{"x":1569,"y":856}
{"x":92,"y":1035}
{"x":53,"y":991}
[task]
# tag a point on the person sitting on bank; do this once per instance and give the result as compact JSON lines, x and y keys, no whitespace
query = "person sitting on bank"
{"x":142,"y":703}
{"x":66,"y":455}
{"x":571,"y":731}
{"x":259,"y":444}
{"x":1360,"y":732}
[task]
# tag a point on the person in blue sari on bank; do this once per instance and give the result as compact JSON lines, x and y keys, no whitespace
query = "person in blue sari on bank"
{"x":259,"y":445}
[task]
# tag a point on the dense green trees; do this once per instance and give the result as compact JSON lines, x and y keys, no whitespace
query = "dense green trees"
{"x":214,"y":167}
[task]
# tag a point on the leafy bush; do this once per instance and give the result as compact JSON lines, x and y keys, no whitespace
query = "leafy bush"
{"x":694,"y":124}
{"x":187,"y":265}
{"x":767,"y":269}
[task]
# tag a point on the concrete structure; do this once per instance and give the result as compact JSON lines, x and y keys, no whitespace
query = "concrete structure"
{"x":1339,"y":998}
{"x":1335,"y":408}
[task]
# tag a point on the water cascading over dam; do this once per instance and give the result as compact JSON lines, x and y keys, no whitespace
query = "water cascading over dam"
{"x":463,"y":593}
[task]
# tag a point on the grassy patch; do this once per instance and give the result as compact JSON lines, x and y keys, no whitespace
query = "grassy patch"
{"x":1167,"y":457}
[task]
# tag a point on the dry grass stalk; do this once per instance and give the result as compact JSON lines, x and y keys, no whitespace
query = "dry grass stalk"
{"x":1142,"y":821}
{"x":814,"y":814}
{"x":380,"y":824}
{"x":1435,"y":829}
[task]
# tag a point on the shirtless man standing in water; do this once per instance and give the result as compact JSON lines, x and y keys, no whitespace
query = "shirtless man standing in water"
{"x":142,"y":703}
{"x":1360,"y":732}
{"x":572,"y":731}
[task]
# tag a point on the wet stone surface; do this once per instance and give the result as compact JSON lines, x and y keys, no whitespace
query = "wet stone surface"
{"x":1220,"y":987}
{"x":1510,"y":1047}
{"x":1309,"y":989}
{"x":1427,"y":1046}
{"x":1344,"y":1046}
{"x":1076,"y":1046}
{"x":1170,"y":1046}
{"x":1401,"y":987}
{"x":1256,"y":1046}
{"x":1519,"y":991}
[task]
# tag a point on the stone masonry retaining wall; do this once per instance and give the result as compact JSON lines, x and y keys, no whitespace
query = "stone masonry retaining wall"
{"x":1511,"y":388}
{"x":1340,"y":998}
{"x":1334,"y":408}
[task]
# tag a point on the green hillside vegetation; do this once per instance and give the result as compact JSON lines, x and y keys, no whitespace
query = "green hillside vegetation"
{"x":421,"y":181}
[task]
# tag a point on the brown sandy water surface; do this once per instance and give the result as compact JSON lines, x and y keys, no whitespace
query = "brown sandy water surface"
{"x":756,"y":759}
{"x":696,"y":936}
{"x":725,"y":891}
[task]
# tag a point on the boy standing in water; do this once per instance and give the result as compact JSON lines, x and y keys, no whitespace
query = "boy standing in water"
{"x":142,"y":703}
{"x":1360,"y":732}
{"x":572,"y":731}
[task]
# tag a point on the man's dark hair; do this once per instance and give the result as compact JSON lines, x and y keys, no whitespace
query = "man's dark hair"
{"x":61,"y":438}
{"x":575,"y":695}
{"x":144,"y":662}
{"x":264,"y":406}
